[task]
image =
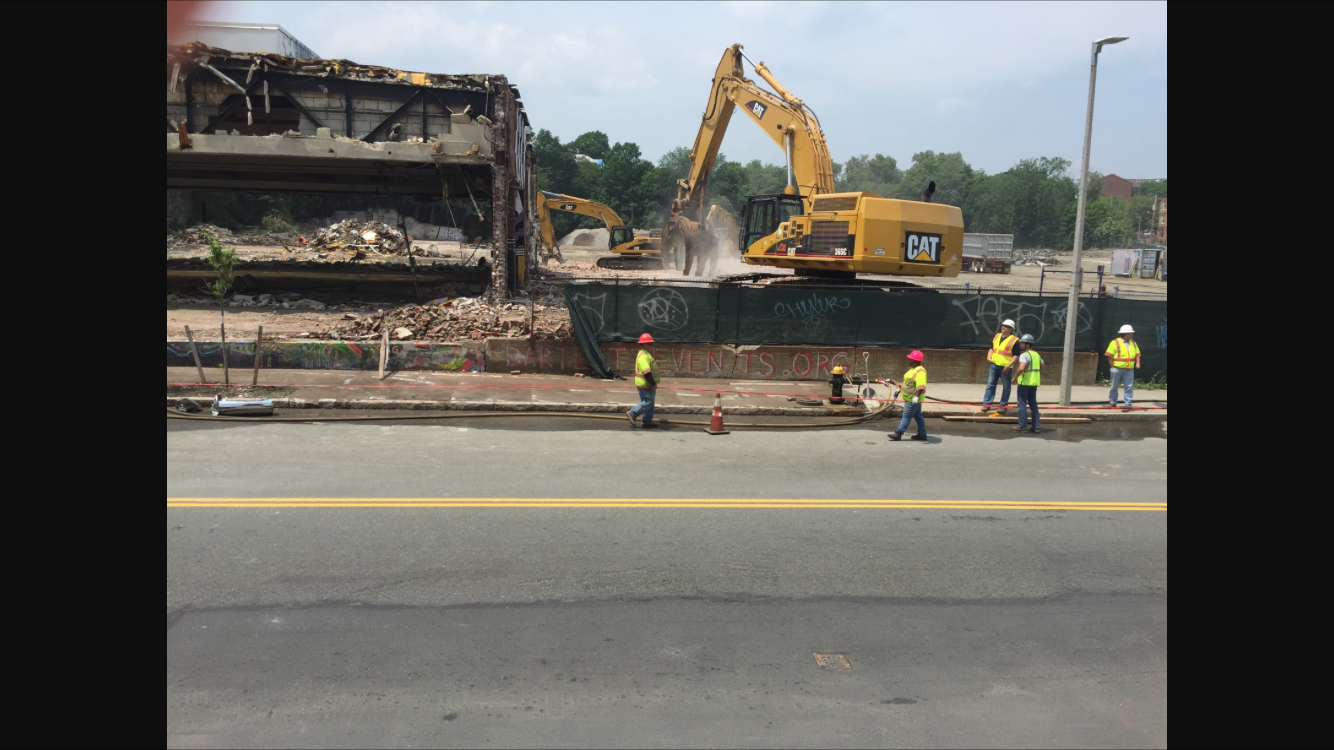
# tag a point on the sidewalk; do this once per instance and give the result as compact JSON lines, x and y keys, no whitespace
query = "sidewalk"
{"x":358,"y":389}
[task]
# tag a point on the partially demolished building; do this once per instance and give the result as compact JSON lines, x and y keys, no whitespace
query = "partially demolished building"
{"x":264,"y":122}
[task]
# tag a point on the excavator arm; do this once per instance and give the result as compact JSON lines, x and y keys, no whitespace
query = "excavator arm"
{"x":782,"y":116}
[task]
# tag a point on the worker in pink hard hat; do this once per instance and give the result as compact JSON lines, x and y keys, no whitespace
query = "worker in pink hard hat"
{"x":646,"y":380}
{"x":914,"y":393}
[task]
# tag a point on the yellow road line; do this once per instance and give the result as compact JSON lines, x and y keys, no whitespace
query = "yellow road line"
{"x":501,"y":502}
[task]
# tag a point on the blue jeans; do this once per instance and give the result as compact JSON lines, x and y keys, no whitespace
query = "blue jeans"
{"x":993,"y":375}
{"x":1027,"y":396}
{"x":911,"y":412}
{"x":1124,"y":377}
{"x":644,"y":408}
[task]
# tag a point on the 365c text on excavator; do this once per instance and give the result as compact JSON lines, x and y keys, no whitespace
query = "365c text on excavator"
{"x":808,"y":227}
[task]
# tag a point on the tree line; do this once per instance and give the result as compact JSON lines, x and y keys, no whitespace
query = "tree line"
{"x":1035,"y":200}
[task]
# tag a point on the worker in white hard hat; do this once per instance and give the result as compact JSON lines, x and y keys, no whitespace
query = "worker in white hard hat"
{"x":1123,"y":356}
{"x":1000,"y":355}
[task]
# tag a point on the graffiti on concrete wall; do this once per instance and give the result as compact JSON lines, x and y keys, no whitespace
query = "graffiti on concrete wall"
{"x":985,"y":314}
{"x":686,"y":360}
{"x":330,"y":355}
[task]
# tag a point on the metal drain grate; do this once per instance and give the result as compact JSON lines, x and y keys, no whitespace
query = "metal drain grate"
{"x":833,"y":661}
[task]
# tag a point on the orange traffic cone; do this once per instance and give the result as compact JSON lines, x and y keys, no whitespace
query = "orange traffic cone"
{"x":716,"y":423}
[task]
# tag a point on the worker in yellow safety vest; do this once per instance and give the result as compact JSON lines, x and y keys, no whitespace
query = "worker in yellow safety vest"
{"x":646,"y":380}
{"x":914,"y":393}
{"x":1028,"y":376}
{"x":1001,"y":355}
{"x":1123,"y":356}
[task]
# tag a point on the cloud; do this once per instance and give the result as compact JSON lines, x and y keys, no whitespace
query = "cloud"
{"x":892,"y":78}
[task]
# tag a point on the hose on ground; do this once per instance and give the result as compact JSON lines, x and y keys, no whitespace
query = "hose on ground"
{"x":173,"y":414}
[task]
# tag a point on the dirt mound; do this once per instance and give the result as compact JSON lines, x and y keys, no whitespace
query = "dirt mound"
{"x":586,"y":238}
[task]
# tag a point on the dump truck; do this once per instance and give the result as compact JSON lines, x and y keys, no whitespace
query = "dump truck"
{"x":988,"y":253}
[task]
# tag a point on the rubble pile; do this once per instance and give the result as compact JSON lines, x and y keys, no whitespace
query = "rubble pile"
{"x":458,"y":319}
{"x":356,"y":237}
{"x":194,"y":237}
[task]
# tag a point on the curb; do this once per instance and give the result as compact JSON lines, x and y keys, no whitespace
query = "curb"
{"x":578,"y":408}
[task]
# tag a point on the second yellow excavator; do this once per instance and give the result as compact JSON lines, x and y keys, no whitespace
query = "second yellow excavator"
{"x":631,"y":252}
{"x":808,"y":227}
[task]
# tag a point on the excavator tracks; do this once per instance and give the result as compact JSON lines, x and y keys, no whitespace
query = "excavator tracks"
{"x":631,"y":263}
{"x":807,"y":282}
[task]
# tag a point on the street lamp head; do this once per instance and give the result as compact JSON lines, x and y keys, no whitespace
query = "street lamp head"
{"x":1097,"y":46}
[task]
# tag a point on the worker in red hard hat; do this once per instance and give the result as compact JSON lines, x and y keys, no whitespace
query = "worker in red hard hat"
{"x":646,"y":380}
{"x":914,"y":392}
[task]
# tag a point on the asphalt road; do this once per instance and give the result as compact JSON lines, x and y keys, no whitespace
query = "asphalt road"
{"x":965,"y":621}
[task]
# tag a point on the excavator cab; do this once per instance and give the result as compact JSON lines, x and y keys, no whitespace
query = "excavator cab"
{"x":620,"y":236}
{"x":763,"y":214}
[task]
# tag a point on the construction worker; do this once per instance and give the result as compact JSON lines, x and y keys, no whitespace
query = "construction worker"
{"x":1028,"y":376}
{"x":1123,"y":355}
{"x":914,"y":393}
{"x":646,"y":380}
{"x":1001,"y":354}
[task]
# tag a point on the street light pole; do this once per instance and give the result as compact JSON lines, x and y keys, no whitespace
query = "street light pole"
{"x":1077,"y":273}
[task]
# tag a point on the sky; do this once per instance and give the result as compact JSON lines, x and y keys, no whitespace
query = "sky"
{"x":998,"y":82}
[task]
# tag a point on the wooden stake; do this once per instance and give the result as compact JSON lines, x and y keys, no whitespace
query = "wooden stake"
{"x":384,"y":348}
{"x":226,"y":380}
{"x":258,"y":338}
{"x":195,"y":351}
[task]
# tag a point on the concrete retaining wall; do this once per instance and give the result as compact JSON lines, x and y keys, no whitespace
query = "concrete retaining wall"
{"x":332,"y":355}
{"x":765,"y":362}
{"x":564,"y":358}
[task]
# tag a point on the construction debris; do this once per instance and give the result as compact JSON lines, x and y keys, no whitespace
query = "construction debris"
{"x":460,"y":319}
{"x":1036,"y":258}
{"x":195,"y":237}
{"x":356,"y":237}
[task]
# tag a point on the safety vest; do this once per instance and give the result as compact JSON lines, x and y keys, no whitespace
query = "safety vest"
{"x":1123,"y":353}
{"x":1004,"y":349}
{"x":912,"y":380}
{"x":644,"y":362}
{"x":1032,"y":374}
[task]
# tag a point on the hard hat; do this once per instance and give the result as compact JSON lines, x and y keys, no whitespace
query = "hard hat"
{"x":1127,"y":329}
{"x":1027,"y":338}
{"x":838,"y":369}
{"x":646,"y":339}
{"x":1008,"y":322}
{"x":915,"y":355}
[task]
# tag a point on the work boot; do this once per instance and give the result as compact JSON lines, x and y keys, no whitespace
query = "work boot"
{"x":918,"y":436}
{"x":1034,"y":430}
{"x":896,"y":435}
{"x":630,"y":415}
{"x":650,"y":425}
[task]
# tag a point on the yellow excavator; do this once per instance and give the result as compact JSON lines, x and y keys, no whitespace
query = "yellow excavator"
{"x":808,"y":227}
{"x":631,"y":251}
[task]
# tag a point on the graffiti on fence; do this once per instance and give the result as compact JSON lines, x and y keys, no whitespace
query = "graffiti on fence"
{"x":813,"y":313}
{"x":665,"y":309}
{"x":594,"y":308}
{"x":985,"y":314}
{"x":1162,"y":334}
